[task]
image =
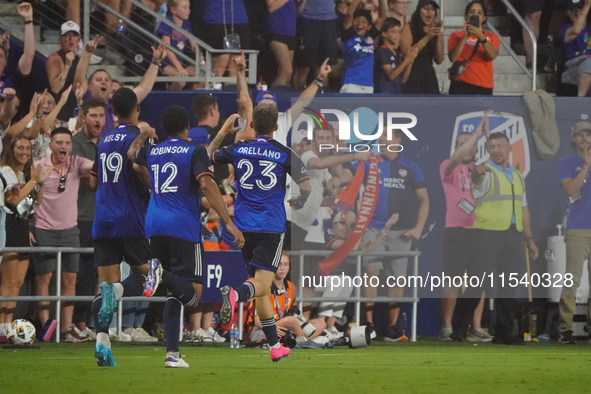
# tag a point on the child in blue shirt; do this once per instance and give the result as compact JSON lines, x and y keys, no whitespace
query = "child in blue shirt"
{"x":358,"y":48}
{"x":390,"y":70}
{"x":173,"y":65}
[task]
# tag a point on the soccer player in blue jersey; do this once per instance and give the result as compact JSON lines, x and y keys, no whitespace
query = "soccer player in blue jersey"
{"x":118,"y":229}
{"x":358,"y":47}
{"x":261,"y":166}
{"x":179,"y":170}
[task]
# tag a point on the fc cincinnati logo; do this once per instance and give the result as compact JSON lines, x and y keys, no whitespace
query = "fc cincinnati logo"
{"x":509,"y":124}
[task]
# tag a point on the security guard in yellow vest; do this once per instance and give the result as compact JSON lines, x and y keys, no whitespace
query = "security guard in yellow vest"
{"x":501,"y":223}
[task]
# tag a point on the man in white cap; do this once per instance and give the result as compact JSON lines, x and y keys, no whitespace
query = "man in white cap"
{"x":61,"y":66}
{"x":573,"y":172}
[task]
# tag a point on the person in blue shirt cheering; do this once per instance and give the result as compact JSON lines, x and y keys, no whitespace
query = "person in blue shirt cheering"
{"x":358,"y":47}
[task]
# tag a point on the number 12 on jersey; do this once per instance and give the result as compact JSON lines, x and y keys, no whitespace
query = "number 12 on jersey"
{"x":170,"y":168}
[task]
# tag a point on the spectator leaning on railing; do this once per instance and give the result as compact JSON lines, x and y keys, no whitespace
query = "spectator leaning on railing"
{"x":173,"y":65}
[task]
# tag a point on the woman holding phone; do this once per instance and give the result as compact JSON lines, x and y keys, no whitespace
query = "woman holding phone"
{"x":425,"y":33}
{"x":478,"y":78}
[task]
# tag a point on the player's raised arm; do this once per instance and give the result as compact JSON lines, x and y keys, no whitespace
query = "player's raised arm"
{"x":226,"y":129}
{"x":146,"y":131}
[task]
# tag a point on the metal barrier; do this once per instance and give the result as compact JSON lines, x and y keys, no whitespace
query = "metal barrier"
{"x":357,"y":299}
{"x":207,"y":76}
{"x":58,"y":298}
{"x":534,"y":43}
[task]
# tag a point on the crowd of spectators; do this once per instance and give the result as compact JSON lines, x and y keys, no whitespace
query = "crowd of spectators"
{"x":295,"y":37}
{"x":47,"y":150}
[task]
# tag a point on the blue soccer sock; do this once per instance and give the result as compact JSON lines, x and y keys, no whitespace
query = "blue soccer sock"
{"x":180,"y":288}
{"x":172,"y":324}
{"x":96,"y":307}
{"x":270,"y":330}
{"x":133,"y":285}
{"x":245,"y":292}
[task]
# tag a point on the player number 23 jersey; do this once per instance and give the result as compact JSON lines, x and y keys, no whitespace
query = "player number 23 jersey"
{"x":261,"y":167}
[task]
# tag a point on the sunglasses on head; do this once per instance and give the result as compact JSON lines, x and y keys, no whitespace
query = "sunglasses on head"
{"x":62,"y":186}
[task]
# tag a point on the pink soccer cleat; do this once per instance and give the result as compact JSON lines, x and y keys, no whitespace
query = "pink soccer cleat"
{"x":227,"y":310}
{"x":279,"y":353}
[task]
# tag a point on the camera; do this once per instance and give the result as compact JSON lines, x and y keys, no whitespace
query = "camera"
{"x":289,"y":339}
{"x":308,"y":328}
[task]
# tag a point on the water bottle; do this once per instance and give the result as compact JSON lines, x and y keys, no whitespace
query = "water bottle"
{"x":120,"y":26}
{"x":234,"y":342}
{"x":404,"y":323}
{"x":262,"y":85}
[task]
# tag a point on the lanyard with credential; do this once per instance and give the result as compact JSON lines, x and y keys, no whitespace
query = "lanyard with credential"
{"x":279,"y":311}
{"x":463,"y":182}
{"x":464,"y":204}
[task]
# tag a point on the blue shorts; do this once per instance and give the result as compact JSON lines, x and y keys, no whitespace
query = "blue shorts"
{"x":112,"y":251}
{"x":262,"y":251}
{"x":179,"y":256}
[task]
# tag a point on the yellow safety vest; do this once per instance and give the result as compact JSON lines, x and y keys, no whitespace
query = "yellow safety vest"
{"x":494,"y":210}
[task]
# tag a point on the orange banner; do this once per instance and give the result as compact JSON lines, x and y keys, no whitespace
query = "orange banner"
{"x":366,"y":208}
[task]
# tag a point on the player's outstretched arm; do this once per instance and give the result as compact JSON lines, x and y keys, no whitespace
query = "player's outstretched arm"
{"x":226,"y":129}
{"x":245,"y":110}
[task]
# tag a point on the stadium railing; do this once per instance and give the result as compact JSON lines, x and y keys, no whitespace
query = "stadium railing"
{"x":357,"y":298}
{"x":507,"y":45}
{"x":203,"y":73}
{"x":58,"y":298}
